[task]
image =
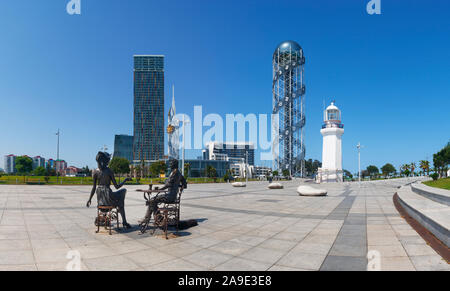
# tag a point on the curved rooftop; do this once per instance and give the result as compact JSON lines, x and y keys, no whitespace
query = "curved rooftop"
{"x":288,"y":45}
{"x":288,"y":52}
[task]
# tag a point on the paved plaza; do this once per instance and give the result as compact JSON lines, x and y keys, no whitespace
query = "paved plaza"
{"x":250,"y":228}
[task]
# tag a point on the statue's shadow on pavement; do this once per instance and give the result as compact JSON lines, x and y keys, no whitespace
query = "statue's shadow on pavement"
{"x":135,"y":232}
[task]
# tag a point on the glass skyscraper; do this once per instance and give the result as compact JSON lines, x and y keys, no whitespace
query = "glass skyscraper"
{"x":148,"y":141}
{"x":123,"y":146}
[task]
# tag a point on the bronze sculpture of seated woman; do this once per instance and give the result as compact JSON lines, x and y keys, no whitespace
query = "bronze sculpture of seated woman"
{"x":105,"y":196}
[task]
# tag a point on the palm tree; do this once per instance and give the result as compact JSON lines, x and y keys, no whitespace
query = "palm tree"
{"x":412,"y":167}
{"x":425,"y":166}
{"x":404,"y":169}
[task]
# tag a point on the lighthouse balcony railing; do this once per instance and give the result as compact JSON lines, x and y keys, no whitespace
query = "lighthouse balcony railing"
{"x":333,"y":125}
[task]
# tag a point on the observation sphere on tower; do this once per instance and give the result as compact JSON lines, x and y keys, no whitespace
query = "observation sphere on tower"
{"x":288,"y":52}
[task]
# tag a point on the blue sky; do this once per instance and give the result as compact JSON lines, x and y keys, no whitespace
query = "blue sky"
{"x":388,"y":73}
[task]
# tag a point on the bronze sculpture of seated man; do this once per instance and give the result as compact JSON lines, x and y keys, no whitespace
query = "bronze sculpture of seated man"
{"x":173,"y":184}
{"x":105,"y":196}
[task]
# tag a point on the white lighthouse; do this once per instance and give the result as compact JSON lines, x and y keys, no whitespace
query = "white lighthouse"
{"x":332,"y":131}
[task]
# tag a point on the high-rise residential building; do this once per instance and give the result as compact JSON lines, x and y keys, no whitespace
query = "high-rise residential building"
{"x":10,"y":164}
{"x":148,"y":138}
{"x":123,"y":146}
{"x":38,"y":161}
{"x":50,"y":163}
{"x":236,"y":152}
{"x":60,"y":166}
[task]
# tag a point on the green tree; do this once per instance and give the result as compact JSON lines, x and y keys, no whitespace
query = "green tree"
{"x":407,"y":172}
{"x":227,"y":176}
{"x":425,"y":166}
{"x":285,"y":173}
{"x":39,"y":171}
{"x":120,"y":166}
{"x":312,"y":167}
{"x":275,"y":173}
{"x":441,"y":159}
{"x":373,"y":170}
{"x":404,"y":169}
{"x":347,"y":174}
{"x":387,"y":170}
{"x":24,"y":165}
{"x":365,"y":173}
{"x":211,"y":172}
{"x":412,"y":167}
{"x":137,"y":173}
{"x":86,"y":171}
{"x":187,"y":168}
{"x":158,"y":168}
{"x":49,"y":170}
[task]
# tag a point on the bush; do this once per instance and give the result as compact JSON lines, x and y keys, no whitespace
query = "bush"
{"x":434,"y":176}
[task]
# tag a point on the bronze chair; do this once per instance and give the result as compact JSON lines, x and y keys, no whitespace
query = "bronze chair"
{"x":107,"y":214}
{"x":168,"y":214}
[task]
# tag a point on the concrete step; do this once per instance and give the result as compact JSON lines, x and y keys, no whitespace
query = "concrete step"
{"x":437,"y":195}
{"x":434,"y":216}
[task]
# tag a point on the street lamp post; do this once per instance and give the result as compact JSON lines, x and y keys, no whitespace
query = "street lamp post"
{"x":359,"y":162}
{"x":184,"y":142}
{"x":246,"y":166}
{"x":57,"y":156}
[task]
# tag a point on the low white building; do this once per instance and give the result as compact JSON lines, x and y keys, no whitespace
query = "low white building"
{"x":230,"y":151}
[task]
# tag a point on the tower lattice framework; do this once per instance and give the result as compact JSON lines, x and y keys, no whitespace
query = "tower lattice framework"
{"x":288,"y":91}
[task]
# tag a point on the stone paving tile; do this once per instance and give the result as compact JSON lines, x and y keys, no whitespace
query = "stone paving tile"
{"x":58,"y":266}
{"x":16,"y":257}
{"x":127,"y":246}
{"x":230,"y":248}
{"x":430,"y":263}
{"x":263,"y":255}
{"x":18,"y":268}
{"x":346,"y":250}
{"x":411,"y":239}
{"x":239,"y":264}
{"x":113,"y":263}
{"x":290,"y":236}
{"x":12,"y":244}
{"x":319,"y":239}
{"x":278,"y":244}
{"x":54,"y":243}
{"x":313,"y":248}
{"x":299,"y":260}
{"x":338,"y":263}
{"x":148,"y":257}
{"x":381,"y":241}
{"x":95,"y":251}
{"x":51,"y":255}
{"x":175,"y":265}
{"x":204,"y":242}
{"x":396,"y":264}
{"x":248,"y":239}
{"x":283,"y":268}
{"x":389,"y":251}
{"x":419,"y":249}
{"x":207,"y":258}
{"x":354,"y":246}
